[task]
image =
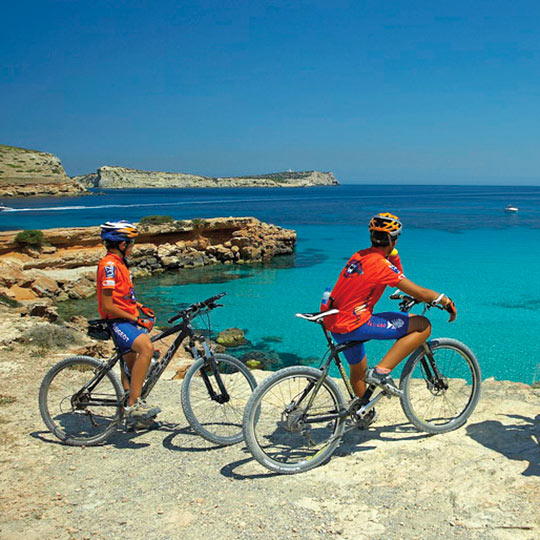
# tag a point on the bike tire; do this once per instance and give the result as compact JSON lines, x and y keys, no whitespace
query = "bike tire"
{"x":441,"y":410}
{"x":220,"y":423}
{"x":264,"y":423}
{"x":88,"y":426}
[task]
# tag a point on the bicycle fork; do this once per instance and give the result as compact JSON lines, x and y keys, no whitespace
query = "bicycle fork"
{"x":210,"y":362}
{"x":436,"y":381}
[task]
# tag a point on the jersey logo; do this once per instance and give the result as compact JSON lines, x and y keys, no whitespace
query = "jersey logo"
{"x":395,"y":324}
{"x":354,"y":267}
{"x":110,"y":271}
{"x":393,"y":268}
{"x":130,"y":296}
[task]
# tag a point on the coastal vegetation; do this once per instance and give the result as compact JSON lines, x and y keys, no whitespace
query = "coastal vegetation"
{"x":155,"y":220}
{"x":31,"y":237}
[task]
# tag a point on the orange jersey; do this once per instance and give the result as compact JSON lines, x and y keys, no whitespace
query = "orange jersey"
{"x":113,"y":274}
{"x":360,"y":286}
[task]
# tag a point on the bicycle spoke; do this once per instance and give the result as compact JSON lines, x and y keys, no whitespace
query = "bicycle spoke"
{"x":218,"y":422}
{"x":75,"y":414}
{"x":281,"y":431}
{"x":437,"y":401}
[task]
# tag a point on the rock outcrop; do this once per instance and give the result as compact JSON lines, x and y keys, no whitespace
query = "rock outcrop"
{"x":65,"y":267}
{"x":29,"y":172}
{"x":121,"y":177}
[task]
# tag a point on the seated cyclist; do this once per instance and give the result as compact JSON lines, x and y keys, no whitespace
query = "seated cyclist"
{"x":116,"y":300}
{"x":359,"y":287}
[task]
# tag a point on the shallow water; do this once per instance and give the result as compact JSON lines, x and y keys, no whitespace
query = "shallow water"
{"x":456,"y":240}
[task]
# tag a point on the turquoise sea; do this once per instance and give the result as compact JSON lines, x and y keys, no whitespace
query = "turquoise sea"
{"x":456,"y":240}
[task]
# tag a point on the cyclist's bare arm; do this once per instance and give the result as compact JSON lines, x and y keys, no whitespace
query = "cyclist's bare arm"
{"x":111,"y":309}
{"x":423,"y":294}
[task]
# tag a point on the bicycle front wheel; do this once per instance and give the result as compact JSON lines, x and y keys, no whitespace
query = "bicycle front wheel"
{"x":213,"y":415}
{"x":441,"y":390}
{"x":291,"y":423}
{"x":79,"y":403}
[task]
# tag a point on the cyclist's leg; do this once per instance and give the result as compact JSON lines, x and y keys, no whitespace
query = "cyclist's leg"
{"x":418,"y":331}
{"x":358,"y":375}
{"x":144,"y":349}
{"x":357,"y":360}
{"x":129,"y":359}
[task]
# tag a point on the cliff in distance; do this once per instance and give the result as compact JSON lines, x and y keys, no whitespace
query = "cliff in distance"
{"x":30,"y":172}
{"x":121,"y":177}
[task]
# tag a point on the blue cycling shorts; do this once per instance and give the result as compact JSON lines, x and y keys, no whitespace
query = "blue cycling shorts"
{"x":125,"y":333}
{"x":388,"y":325}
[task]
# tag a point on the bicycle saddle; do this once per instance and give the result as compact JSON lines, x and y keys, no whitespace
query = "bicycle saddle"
{"x":317,"y":317}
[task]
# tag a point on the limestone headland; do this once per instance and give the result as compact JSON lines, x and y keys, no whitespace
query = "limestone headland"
{"x":26,"y":172}
{"x":64,"y":265}
{"x":121,"y":178}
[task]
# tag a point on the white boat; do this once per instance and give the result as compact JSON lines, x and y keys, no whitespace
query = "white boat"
{"x":3,"y":207}
{"x":511,"y":209}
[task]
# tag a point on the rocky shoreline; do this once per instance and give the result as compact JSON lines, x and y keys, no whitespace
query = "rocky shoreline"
{"x":64,"y":267}
{"x":31,"y":173}
{"x":122,"y":177}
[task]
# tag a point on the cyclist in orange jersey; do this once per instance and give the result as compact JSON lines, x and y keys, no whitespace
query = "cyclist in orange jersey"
{"x":355,"y":294}
{"x":116,"y":300}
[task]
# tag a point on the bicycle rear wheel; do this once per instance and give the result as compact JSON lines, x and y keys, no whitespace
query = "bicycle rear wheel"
{"x":282,"y":432}
{"x":440,"y":397}
{"x":79,"y":416}
{"x":218,"y":421}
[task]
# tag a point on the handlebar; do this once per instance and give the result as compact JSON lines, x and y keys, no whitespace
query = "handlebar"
{"x":208,"y":304}
{"x":408,"y":302}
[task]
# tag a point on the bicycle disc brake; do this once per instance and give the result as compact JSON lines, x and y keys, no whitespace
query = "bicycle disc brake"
{"x":437,"y":386}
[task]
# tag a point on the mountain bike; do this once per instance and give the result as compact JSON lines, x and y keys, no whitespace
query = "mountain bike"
{"x":295,"y":419}
{"x":82,"y":401}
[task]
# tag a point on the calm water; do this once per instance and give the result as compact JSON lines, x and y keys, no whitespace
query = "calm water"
{"x":456,"y":240}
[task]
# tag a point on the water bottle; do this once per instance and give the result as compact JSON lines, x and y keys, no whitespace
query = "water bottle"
{"x":154,"y":364}
{"x":325,"y":297}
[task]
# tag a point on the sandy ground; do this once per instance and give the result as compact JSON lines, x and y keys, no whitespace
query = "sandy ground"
{"x":391,"y":482}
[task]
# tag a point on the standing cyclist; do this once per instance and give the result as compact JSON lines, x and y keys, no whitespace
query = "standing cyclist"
{"x":116,"y":300}
{"x":359,"y":287}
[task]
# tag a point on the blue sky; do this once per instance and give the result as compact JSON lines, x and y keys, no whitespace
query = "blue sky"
{"x":393,"y":92}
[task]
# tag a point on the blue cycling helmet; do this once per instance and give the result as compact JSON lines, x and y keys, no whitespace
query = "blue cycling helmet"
{"x":118,"y":231}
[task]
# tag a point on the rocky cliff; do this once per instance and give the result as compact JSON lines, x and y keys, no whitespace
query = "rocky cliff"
{"x":65,"y":266}
{"x":29,"y":172}
{"x":121,"y":177}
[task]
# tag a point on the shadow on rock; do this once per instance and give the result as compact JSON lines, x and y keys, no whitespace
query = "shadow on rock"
{"x":175,"y":443}
{"x":519,"y":441}
{"x":353,"y":442}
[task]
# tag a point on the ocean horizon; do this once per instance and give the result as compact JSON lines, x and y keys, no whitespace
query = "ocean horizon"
{"x":456,"y":239}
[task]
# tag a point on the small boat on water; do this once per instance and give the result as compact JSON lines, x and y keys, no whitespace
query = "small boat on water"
{"x":3,"y":207}
{"x":511,"y":209}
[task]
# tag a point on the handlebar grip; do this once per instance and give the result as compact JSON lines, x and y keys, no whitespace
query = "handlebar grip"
{"x":212,"y":299}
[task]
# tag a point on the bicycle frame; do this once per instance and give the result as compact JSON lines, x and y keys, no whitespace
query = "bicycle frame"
{"x":184,"y":330}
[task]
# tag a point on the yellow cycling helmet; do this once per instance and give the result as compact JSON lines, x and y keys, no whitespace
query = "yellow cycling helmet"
{"x":387,"y":223}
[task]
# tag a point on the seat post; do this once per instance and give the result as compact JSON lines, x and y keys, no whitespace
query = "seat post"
{"x":327,"y":334}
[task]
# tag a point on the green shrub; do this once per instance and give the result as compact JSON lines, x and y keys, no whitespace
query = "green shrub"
{"x":7,"y":400}
{"x":8,"y":301}
{"x":156,"y":220}
{"x":30,"y":238}
{"x":198,"y":224}
{"x":48,"y":336}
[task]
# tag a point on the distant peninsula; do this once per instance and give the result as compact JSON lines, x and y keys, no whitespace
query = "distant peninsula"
{"x":122,"y":177}
{"x":25,"y":172}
